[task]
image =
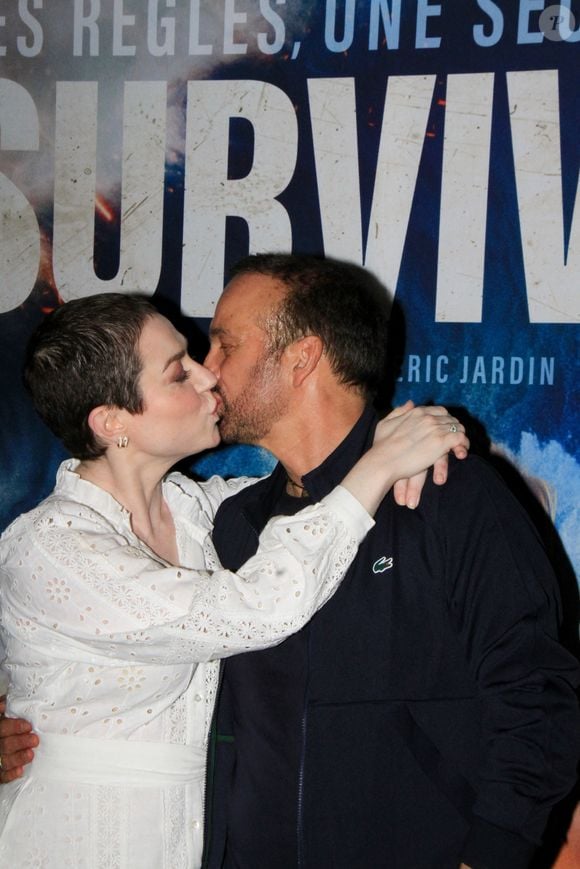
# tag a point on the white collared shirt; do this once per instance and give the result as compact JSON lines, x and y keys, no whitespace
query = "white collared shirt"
{"x":105,"y":640}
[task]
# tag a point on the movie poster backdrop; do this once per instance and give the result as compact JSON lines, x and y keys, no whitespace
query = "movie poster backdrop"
{"x":148,"y":145}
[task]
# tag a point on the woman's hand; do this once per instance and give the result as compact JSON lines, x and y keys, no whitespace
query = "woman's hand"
{"x":407,"y":491}
{"x":406,"y":444}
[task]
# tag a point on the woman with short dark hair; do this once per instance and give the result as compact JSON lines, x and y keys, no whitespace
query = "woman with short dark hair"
{"x":115,"y":610}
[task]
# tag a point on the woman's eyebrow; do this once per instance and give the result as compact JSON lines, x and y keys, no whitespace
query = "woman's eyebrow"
{"x":175,"y":358}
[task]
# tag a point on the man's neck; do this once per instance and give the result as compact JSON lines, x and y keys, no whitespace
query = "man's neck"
{"x":304,"y":438}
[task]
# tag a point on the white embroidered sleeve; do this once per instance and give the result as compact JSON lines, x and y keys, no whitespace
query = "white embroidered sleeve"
{"x":216,"y":490}
{"x":85,"y":586}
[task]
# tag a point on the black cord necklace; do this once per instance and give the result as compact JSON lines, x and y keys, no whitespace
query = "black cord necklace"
{"x":302,"y":491}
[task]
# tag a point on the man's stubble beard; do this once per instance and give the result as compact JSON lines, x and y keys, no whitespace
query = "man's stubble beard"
{"x":248,"y":418}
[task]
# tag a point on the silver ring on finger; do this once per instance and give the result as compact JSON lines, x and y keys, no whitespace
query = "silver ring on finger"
{"x":453,"y":427}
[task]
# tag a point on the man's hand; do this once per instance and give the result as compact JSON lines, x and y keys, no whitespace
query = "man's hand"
{"x":16,"y":745}
{"x":407,"y":492}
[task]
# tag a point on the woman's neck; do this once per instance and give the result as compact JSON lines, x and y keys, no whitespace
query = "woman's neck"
{"x":139,"y":490}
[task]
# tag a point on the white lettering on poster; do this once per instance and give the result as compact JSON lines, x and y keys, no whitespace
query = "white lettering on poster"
{"x":334,"y":130}
{"x":211,"y":196}
{"x":75,"y":196}
{"x":19,"y":232}
{"x":551,"y":271}
{"x":227,"y":28}
{"x":490,"y":370}
{"x":464,"y":185}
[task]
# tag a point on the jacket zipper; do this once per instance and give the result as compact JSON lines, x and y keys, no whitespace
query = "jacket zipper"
{"x":299,"y":830}
{"x":304,"y":729}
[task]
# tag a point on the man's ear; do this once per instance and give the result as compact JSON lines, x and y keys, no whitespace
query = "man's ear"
{"x":106,"y":423}
{"x":304,"y":356}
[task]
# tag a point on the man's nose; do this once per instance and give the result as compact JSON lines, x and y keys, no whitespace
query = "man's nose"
{"x":211,"y":362}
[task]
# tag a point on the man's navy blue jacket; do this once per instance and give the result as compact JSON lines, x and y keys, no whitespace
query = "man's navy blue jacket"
{"x":440,"y":720}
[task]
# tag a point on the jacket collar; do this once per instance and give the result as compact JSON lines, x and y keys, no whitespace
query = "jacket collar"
{"x":321,"y":480}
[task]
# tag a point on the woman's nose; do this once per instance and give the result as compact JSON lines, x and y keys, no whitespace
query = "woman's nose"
{"x":204,"y":378}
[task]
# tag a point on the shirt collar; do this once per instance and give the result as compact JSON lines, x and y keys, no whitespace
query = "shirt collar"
{"x":321,"y":480}
{"x":70,"y":484}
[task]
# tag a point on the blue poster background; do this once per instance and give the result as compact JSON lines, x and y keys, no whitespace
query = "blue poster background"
{"x":530,"y":420}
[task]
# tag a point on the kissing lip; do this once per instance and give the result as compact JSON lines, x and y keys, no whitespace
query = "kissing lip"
{"x":215,"y":409}
{"x":218,"y":401}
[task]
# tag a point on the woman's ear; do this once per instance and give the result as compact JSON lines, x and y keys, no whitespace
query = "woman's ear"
{"x":107,"y":424}
{"x":305,"y":354}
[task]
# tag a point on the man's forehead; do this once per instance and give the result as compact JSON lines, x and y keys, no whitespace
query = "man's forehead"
{"x":231,"y":316}
{"x":244,"y":302}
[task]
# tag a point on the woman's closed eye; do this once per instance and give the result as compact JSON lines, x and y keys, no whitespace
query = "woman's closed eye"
{"x":182,"y":375}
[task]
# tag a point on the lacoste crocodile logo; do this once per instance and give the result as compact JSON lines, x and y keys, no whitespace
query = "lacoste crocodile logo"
{"x":383,"y":563}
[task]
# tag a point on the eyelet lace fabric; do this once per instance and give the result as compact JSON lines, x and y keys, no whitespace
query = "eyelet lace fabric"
{"x":106,"y":641}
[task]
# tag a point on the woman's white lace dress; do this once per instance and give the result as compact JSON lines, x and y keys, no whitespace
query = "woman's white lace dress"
{"x":113,"y":656}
